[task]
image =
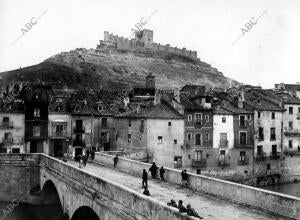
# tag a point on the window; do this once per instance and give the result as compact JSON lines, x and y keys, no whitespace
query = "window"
{"x":273,"y":134}
{"x":169,"y":123}
{"x":198,"y":117}
{"x":198,"y":139}
{"x":104,"y":122}
{"x":207,"y":100}
{"x":242,"y":156}
{"x":100,"y":108}
{"x":175,"y":141}
{"x":78,"y":137}
{"x":290,"y":110}
{"x":7,"y":136}
{"x":129,"y":138}
{"x":142,"y":128}
{"x":258,"y":114}
{"x":129,"y":123}
{"x":249,"y":117}
{"x":261,"y":133}
{"x":198,"y":155}
{"x":36,"y":131}
{"x":36,"y":112}
{"x":290,"y":125}
{"x":222,"y":154}
{"x":190,"y":117}
{"x":177,"y":162}
{"x":242,"y":121}
{"x":206,"y":137}
{"x":273,"y":115}
{"x":189,"y":137}
{"x":260,"y":150}
{"x":207,"y":118}
{"x":223,"y":119}
{"x":243,"y":138}
{"x":290,"y":143}
{"x":6,"y":121}
{"x":223,"y":140}
{"x":298,"y":109}
{"x":59,"y":128}
{"x":159,"y":138}
{"x":274,"y":150}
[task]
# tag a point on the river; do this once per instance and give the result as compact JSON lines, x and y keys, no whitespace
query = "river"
{"x":292,"y":189}
{"x":30,"y":212}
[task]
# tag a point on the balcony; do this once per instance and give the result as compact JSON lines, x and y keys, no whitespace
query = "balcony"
{"x":78,"y":142}
{"x":7,"y":140}
{"x":142,"y":129}
{"x":79,"y":130}
{"x":275,"y":155}
{"x":198,"y":124}
{"x":261,"y":156}
{"x":292,"y":132}
{"x":6,"y":125}
{"x":242,"y":124}
{"x":243,"y":161}
{"x":199,"y":163}
{"x":61,"y":134}
{"x":223,"y":161}
{"x":223,"y":144}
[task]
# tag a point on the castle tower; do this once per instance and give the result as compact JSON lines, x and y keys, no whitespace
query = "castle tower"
{"x":150,"y":81}
{"x":145,"y":36}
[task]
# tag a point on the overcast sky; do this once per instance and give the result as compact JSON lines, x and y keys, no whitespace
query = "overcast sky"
{"x":266,"y":53}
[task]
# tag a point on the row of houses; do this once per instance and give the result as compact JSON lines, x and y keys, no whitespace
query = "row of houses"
{"x":245,"y":131}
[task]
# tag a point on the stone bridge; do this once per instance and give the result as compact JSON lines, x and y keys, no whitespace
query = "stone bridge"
{"x":100,"y":191}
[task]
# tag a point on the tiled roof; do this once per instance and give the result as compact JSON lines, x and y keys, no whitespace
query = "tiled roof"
{"x":288,"y":99}
{"x":159,"y":111}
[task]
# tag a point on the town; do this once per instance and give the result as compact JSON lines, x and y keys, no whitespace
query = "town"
{"x":246,"y":134}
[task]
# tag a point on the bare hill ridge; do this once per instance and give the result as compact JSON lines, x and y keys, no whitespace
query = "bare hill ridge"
{"x":108,"y":68}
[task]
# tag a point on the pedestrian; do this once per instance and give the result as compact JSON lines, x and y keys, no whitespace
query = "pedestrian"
{"x":93,"y":154}
{"x":191,"y":212}
{"x":161,"y":173}
{"x":87,"y":153}
{"x":84,"y":159}
{"x":172,"y":203}
{"x":116,"y":158}
{"x":146,"y":191}
{"x":184,"y":177}
{"x":181,"y":207}
{"x":79,"y":161}
{"x":153,"y":170}
{"x":145,"y":178}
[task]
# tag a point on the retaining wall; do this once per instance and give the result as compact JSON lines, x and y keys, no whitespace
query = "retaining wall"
{"x":276,"y":203}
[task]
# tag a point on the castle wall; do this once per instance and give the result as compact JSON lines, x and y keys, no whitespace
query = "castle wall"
{"x":133,"y":45}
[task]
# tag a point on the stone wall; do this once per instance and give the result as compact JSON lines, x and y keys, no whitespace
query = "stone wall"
{"x":19,"y":173}
{"x":276,"y":203}
{"x":122,"y":43}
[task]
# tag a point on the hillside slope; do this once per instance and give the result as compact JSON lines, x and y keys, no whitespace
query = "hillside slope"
{"x":112,"y":69}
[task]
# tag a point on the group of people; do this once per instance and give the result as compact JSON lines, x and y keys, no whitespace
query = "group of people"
{"x":153,"y":170}
{"x":82,"y":159}
{"x":188,"y":209}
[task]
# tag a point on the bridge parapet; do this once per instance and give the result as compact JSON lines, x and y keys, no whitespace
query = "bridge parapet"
{"x":126,"y":203}
{"x":263,"y":200}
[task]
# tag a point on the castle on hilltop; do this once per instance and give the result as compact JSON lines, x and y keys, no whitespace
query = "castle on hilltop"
{"x":142,"y":42}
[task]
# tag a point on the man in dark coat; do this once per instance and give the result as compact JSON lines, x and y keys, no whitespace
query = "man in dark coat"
{"x":161,"y":173}
{"x":145,"y":178}
{"x":153,"y":170}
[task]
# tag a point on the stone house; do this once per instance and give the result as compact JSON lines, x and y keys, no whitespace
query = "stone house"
{"x":157,"y":129}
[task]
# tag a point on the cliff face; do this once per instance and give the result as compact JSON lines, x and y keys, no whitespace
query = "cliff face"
{"x":109,"y":68}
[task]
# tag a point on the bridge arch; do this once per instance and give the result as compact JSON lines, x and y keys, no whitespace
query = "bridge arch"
{"x":85,"y":212}
{"x":51,"y":198}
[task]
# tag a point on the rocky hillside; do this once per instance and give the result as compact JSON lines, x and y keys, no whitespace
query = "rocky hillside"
{"x":108,"y":68}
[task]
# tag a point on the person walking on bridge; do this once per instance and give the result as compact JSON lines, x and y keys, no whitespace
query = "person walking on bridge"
{"x":145,"y":179}
{"x":184,"y":177}
{"x":162,"y":173}
{"x":153,"y":170}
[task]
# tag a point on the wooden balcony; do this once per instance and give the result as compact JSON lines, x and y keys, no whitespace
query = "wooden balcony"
{"x":223,"y":144}
{"x":201,"y":163}
{"x":275,"y":155}
{"x":261,"y":156}
{"x":292,"y":132}
{"x":78,"y":130}
{"x":223,"y":161}
{"x":6,"y":125}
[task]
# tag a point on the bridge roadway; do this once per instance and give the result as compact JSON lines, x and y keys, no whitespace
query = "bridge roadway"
{"x":207,"y":206}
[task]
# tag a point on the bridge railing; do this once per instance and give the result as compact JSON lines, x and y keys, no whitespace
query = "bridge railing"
{"x":134,"y":204}
{"x":264,"y":200}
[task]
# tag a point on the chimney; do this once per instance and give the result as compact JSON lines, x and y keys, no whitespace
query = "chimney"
{"x":177,"y":94}
{"x":138,"y":109}
{"x":158,"y":96}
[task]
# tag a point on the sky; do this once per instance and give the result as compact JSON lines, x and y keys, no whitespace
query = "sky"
{"x":254,"y":42}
